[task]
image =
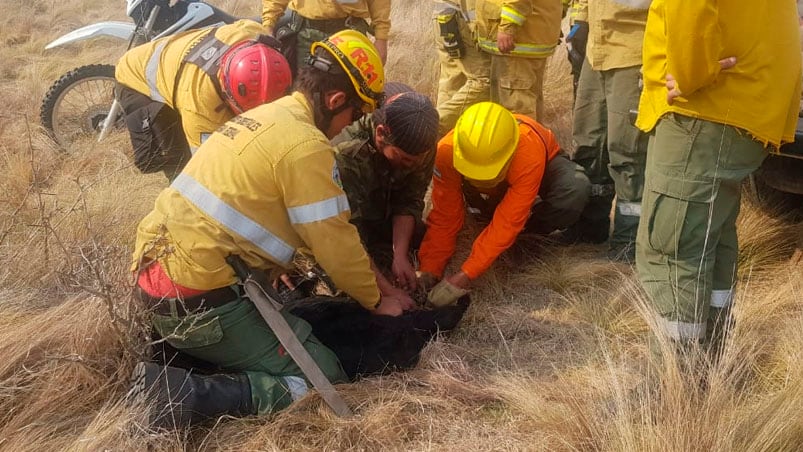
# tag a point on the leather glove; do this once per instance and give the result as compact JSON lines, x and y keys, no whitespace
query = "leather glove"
{"x":444,"y":294}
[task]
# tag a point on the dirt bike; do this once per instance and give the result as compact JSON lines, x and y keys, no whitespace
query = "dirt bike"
{"x":81,"y":102}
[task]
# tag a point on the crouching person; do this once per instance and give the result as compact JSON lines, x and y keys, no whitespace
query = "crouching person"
{"x":177,"y":90}
{"x":385,"y":162}
{"x":497,"y":163}
{"x":260,"y":187}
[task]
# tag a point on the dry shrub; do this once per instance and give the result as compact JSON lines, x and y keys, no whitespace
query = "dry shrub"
{"x":62,"y":366}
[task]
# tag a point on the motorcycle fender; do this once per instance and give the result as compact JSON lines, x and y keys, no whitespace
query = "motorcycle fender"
{"x":114,"y":29}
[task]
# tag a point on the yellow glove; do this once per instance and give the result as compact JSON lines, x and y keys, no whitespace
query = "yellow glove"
{"x":444,"y":294}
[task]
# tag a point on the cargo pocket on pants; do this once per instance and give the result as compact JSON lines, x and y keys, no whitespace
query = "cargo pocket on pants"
{"x":678,"y":222}
{"x":188,"y":332}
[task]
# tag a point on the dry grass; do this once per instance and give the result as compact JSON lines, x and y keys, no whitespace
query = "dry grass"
{"x":551,"y":356}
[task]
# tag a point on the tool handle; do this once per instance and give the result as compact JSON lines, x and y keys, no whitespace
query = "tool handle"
{"x":239,"y":266}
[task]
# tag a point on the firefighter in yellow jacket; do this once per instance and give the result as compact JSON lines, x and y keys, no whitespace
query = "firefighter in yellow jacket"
{"x":313,"y":20}
{"x":465,"y":70}
{"x":263,"y":185}
{"x":177,"y":90}
{"x":721,"y":89}
{"x":606,"y":143}
{"x":519,"y":35}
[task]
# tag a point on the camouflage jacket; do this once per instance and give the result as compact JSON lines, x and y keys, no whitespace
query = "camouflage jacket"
{"x":377,"y":191}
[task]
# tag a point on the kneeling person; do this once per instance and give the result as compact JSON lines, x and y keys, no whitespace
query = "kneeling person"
{"x":498,"y":163}
{"x":177,"y":90}
{"x":261,"y":187}
{"x":385,"y":162}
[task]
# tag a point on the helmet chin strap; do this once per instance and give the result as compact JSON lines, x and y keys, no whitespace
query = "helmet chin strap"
{"x":322,"y":115}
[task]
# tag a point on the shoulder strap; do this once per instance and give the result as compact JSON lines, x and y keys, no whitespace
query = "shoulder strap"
{"x":205,"y":54}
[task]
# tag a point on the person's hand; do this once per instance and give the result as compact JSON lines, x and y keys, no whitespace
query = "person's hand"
{"x":284,"y":278}
{"x":381,"y":46}
{"x":505,"y":42}
{"x":672,"y":90}
{"x":390,"y":305}
{"x":449,"y":290}
{"x":403,"y":297}
{"x":404,"y":272}
{"x":426,"y":280}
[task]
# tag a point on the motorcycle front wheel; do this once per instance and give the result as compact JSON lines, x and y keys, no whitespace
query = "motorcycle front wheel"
{"x":77,"y":103}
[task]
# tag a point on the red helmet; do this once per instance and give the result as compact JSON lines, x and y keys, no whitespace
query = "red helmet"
{"x":252,"y":74}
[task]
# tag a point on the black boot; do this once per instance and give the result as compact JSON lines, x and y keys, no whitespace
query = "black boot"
{"x":181,"y":398}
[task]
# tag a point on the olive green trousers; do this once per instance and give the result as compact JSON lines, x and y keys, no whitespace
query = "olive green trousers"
{"x":236,"y":337}
{"x":687,"y":249}
{"x":611,"y":150}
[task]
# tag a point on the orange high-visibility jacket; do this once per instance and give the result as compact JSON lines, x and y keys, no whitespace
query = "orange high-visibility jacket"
{"x":537,"y":145}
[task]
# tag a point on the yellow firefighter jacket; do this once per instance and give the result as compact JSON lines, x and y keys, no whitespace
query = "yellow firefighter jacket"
{"x":535,"y":25}
{"x":261,"y":186}
{"x":377,"y":12}
{"x":761,"y":94}
{"x":152,"y":69}
{"x":615,"y":31}
{"x":465,"y":7}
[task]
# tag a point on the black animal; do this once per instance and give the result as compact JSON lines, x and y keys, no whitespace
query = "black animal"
{"x":366,"y":344}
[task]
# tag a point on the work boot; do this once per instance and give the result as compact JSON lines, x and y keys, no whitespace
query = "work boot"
{"x":180,"y":398}
{"x":623,"y":252}
{"x":588,"y":232}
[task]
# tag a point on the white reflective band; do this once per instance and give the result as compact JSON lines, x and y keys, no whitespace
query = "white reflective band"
{"x":512,"y":15}
{"x":519,"y":49}
{"x":721,"y":298}
{"x":152,"y":71}
{"x":318,"y":211}
{"x":297,"y":386}
{"x":683,"y":330}
{"x":630,"y":209}
{"x":228,"y":216}
{"x":635,"y":4}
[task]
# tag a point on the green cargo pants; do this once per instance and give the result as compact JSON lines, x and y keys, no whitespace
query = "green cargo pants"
{"x":612,"y":151}
{"x":518,"y":84}
{"x":563,"y":194}
{"x":687,"y":249}
{"x":463,"y":81}
{"x":236,"y":337}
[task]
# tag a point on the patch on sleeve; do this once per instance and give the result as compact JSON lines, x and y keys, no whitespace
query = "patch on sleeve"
{"x":436,"y":173}
{"x":336,"y":176}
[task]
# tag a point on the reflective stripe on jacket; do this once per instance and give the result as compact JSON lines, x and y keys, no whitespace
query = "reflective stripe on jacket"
{"x":537,"y":145}
{"x":375,"y":11}
{"x":152,"y":68}
{"x":761,"y":94}
{"x":464,"y":7}
{"x":615,"y":31}
{"x":535,"y":25}
{"x":260,"y":187}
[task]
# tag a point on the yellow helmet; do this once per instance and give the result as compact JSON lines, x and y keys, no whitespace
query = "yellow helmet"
{"x":485,"y":137}
{"x":359,"y":59}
